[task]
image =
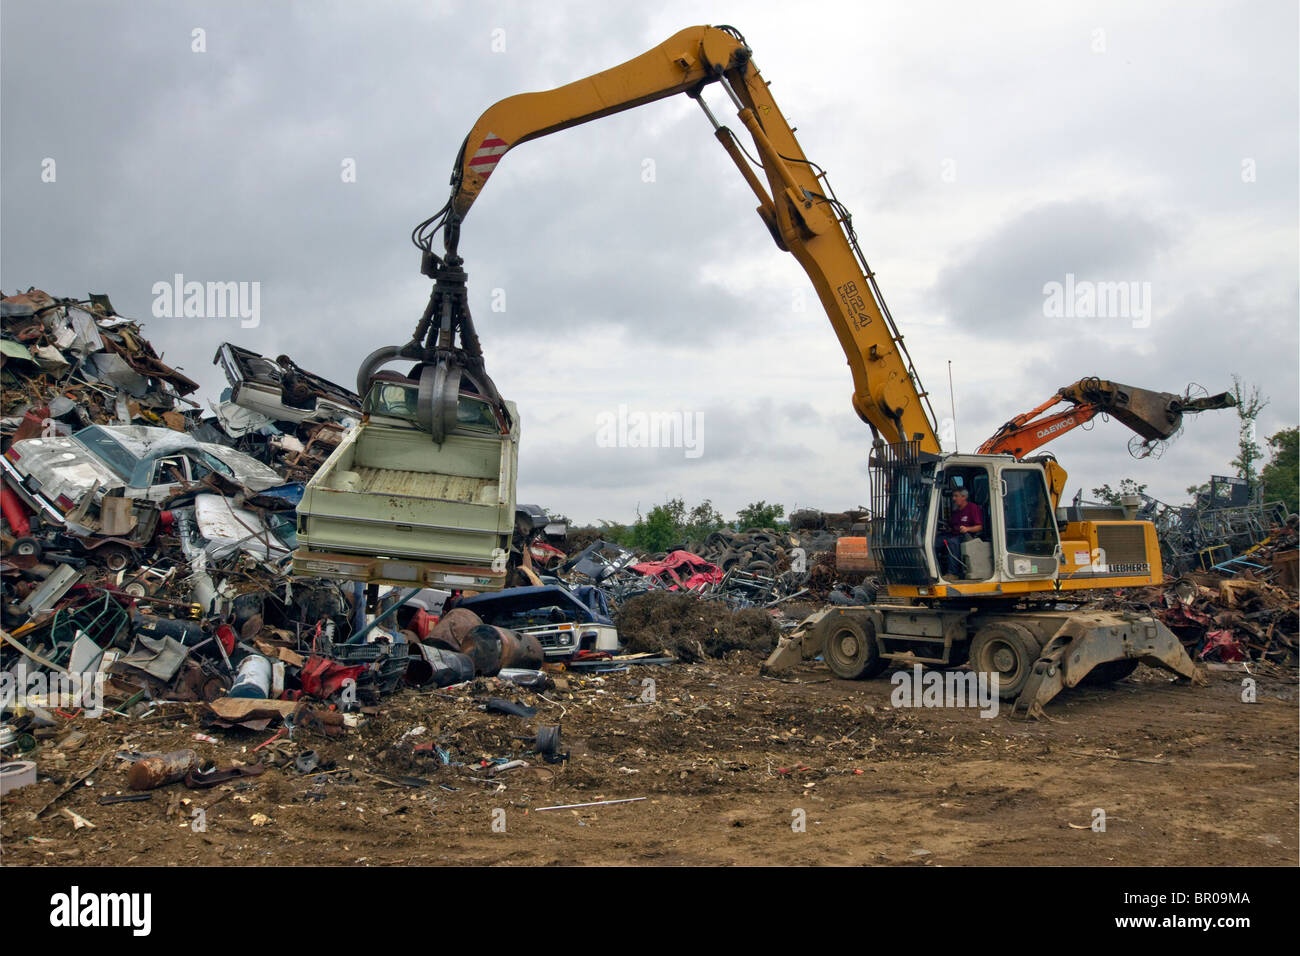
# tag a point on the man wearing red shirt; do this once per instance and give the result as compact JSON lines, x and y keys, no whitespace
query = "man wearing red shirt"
{"x":967,"y":518}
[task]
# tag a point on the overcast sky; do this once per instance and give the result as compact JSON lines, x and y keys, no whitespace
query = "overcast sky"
{"x":985,"y":151}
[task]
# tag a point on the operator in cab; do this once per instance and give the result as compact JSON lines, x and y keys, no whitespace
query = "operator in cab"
{"x":965,"y":522}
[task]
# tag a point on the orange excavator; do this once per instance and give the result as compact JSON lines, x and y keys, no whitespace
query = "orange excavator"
{"x":1154,"y":416}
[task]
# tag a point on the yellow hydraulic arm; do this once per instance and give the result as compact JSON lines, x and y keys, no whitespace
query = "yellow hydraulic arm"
{"x":796,"y":202}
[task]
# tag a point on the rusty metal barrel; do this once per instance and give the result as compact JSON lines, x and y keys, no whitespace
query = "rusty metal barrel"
{"x":451,"y":629}
{"x":497,"y":648}
{"x":437,"y":667}
{"x":483,"y":644}
{"x":521,"y":650}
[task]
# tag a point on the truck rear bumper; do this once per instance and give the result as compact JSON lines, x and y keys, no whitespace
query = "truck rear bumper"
{"x":400,"y":572}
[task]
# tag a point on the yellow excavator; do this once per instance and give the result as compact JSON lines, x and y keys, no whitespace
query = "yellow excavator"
{"x":994,"y":598}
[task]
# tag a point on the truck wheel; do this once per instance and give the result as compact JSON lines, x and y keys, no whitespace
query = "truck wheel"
{"x":27,"y":547}
{"x":1110,"y":671}
{"x":1008,"y":650}
{"x":115,"y":557}
{"x":849,"y":647}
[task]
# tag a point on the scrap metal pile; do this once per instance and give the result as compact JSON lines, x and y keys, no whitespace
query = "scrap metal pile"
{"x":1247,"y":612}
{"x":756,"y":568}
{"x":147,"y":544}
{"x":1222,"y":523}
{"x":147,"y":549}
{"x":85,"y":365}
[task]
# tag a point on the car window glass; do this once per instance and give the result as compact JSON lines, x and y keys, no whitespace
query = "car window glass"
{"x":108,"y":450}
{"x":214,"y":463}
{"x":474,"y":413}
{"x":393,"y":400}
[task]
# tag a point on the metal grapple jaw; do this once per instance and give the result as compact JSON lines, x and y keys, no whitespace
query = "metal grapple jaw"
{"x":443,"y":368}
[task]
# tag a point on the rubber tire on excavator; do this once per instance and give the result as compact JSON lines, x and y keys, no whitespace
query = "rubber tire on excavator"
{"x":1110,"y":672}
{"x":1011,"y":637}
{"x":849,"y":647}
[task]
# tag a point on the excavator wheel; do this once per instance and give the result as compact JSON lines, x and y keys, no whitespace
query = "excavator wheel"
{"x":1008,"y":650}
{"x":1110,"y":672}
{"x":849,"y":647}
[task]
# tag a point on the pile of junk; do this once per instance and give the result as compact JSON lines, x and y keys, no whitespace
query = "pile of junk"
{"x":147,"y":539}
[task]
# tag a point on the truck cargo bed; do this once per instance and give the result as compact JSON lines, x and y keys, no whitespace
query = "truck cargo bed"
{"x":415,"y":484}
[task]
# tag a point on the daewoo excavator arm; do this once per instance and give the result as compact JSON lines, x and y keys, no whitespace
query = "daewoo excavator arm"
{"x":1154,"y":416}
{"x":795,"y":203}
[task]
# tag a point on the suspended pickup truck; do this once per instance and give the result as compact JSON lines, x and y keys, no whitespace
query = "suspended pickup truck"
{"x":422,"y":492}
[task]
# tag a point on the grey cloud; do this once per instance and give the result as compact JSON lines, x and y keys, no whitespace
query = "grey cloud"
{"x":997,"y":289}
{"x":226,"y":166}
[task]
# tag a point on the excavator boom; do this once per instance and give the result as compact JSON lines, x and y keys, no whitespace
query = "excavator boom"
{"x":1153,"y":416}
{"x":794,"y":201}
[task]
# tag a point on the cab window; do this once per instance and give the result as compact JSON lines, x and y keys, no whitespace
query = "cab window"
{"x":475,"y":414}
{"x":1030,"y":522}
{"x":393,"y":400}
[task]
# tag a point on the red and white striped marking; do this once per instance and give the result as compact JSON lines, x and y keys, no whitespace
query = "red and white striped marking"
{"x":488,"y":154}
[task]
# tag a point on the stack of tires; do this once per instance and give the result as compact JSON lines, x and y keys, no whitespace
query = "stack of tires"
{"x":756,"y":550}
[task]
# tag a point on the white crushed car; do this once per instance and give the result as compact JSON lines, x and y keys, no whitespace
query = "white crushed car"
{"x":53,"y":474}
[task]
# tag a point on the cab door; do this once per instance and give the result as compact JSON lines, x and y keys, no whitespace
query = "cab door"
{"x":1031,"y":542}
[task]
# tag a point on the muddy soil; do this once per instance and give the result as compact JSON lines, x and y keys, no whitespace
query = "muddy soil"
{"x":733,"y":768}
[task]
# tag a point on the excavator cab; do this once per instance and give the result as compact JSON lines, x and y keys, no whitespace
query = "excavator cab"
{"x":913,"y":493}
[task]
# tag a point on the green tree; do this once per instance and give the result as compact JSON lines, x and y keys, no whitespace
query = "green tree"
{"x":760,"y":514}
{"x":1110,"y":496}
{"x":702,"y":521}
{"x":1281,"y":476}
{"x":671,"y":524}
{"x":1249,"y":404}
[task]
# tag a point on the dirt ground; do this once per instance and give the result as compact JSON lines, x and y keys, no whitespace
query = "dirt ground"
{"x":725,"y":761}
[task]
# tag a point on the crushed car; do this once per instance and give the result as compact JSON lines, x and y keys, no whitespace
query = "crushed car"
{"x":282,"y":391}
{"x":51,"y":475}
